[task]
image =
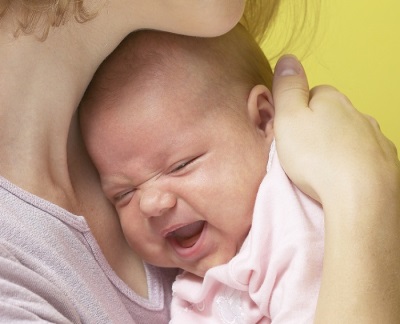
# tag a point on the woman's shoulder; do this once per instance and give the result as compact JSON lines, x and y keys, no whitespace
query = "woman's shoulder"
{"x":51,"y":255}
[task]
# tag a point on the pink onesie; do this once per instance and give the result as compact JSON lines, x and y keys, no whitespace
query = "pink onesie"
{"x":275,"y":277}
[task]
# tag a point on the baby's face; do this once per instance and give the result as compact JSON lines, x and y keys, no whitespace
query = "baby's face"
{"x":183,"y":181}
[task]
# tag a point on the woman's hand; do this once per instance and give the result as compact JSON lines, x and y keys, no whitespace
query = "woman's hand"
{"x":341,"y":158}
{"x":323,"y":142}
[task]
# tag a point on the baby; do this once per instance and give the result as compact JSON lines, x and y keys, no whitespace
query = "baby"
{"x":181,"y":132}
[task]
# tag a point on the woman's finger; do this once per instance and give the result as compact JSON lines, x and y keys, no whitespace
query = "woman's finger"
{"x":290,"y":86}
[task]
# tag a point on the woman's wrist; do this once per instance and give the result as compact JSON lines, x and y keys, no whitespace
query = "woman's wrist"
{"x":362,"y":255}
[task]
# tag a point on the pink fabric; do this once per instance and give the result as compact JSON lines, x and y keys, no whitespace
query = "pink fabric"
{"x":275,"y":278}
{"x":52,"y":270}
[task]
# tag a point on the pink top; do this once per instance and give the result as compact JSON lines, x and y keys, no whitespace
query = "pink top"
{"x":52,"y":270}
{"x":275,"y":277}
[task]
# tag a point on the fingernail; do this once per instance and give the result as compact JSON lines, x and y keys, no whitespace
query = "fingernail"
{"x":288,"y":65}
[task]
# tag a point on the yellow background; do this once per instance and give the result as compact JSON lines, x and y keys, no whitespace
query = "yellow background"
{"x":357,"y":49}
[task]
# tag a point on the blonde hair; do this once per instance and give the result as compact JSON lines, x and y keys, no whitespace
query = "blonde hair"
{"x":281,"y":26}
{"x":258,"y":16}
{"x":38,"y":16}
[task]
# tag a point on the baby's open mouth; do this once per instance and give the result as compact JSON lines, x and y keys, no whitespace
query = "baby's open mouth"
{"x":187,"y":236}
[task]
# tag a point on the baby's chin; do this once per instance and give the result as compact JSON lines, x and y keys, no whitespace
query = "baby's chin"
{"x":201,"y":268}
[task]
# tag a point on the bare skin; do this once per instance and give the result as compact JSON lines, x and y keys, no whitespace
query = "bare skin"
{"x":41,"y":86}
{"x":360,"y":194}
{"x":41,"y":150}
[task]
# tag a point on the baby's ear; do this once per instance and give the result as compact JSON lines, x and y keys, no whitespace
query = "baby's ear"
{"x":261,"y":109}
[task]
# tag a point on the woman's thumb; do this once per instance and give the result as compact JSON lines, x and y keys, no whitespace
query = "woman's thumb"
{"x":290,"y":87}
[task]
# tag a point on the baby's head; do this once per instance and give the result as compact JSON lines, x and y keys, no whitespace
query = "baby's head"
{"x":179,"y":129}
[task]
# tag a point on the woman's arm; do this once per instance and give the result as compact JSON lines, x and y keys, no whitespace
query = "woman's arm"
{"x":341,"y":158}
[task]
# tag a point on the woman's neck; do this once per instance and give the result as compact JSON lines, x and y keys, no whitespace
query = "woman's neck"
{"x":41,"y":150}
{"x":40,"y":89}
{"x":38,"y":95}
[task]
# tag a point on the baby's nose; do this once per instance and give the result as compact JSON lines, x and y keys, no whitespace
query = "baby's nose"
{"x":155,"y":202}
